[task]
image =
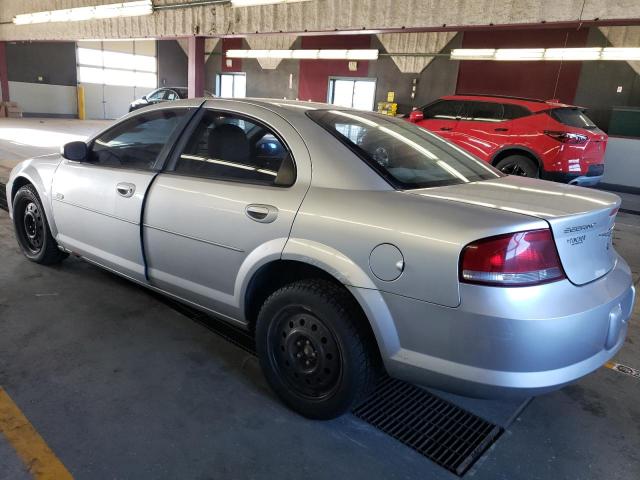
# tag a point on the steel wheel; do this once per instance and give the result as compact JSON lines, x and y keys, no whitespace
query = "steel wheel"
{"x":305,"y":353}
{"x":33,"y":228}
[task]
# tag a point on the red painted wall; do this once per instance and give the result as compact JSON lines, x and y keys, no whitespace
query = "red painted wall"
{"x":232,"y":44}
{"x":313,"y":80}
{"x":524,"y":79}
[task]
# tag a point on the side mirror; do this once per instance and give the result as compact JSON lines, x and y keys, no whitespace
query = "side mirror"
{"x":75,"y":151}
{"x":416,"y":116}
{"x":144,"y":97}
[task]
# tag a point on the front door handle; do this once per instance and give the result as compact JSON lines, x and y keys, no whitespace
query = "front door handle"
{"x":126,"y":190}
{"x":501,"y":129}
{"x":446,"y":128}
{"x":261,"y":213}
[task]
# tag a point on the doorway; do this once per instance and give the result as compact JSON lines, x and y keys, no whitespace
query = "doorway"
{"x":357,"y":93}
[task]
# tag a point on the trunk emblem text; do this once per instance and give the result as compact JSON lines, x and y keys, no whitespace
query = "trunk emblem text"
{"x":580,"y":228}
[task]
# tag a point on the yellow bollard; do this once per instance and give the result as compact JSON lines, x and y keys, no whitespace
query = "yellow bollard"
{"x":81,"y":112}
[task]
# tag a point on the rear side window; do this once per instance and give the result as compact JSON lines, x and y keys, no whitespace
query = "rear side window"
{"x":511,"y":111}
{"x":403,"y":153}
{"x":443,"y":110}
{"x":135,"y":143}
{"x":572,"y":117}
{"x":227,"y":146}
{"x":483,"y":112}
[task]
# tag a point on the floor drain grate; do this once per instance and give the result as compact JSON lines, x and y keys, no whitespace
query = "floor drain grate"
{"x":444,"y":433}
{"x":3,"y":197}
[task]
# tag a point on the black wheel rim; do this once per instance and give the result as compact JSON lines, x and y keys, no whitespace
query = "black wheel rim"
{"x":514,"y":169}
{"x":33,"y":227}
{"x":305,"y":353}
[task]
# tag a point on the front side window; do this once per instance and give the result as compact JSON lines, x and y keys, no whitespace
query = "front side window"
{"x":443,"y":110}
{"x":226,"y":146}
{"x":136,"y":142}
{"x":155,"y":95}
{"x":171,"y":95}
{"x":403,"y":153}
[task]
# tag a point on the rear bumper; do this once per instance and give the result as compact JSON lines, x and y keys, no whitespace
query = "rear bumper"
{"x":512,"y":341}
{"x":591,"y":178}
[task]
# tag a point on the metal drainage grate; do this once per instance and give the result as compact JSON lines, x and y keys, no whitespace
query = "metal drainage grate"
{"x":444,"y":433}
{"x":3,"y":196}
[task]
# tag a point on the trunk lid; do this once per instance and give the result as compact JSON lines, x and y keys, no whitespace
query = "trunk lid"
{"x":581,"y":219}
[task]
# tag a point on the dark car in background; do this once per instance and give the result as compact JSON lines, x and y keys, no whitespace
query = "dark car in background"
{"x":164,"y":94}
{"x":532,"y":138}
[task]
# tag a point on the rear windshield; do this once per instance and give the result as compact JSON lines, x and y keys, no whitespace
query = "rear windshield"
{"x":403,"y":153}
{"x":573,"y":117}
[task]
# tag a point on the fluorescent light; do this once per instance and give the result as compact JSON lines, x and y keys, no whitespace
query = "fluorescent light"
{"x":113,"y":10}
{"x":622,"y":53}
{"x":473,"y":53}
{"x":328,"y":54}
{"x":253,"y":3}
{"x":551,"y":54}
{"x":519,"y":54}
{"x":304,"y":54}
{"x":572,"y":53}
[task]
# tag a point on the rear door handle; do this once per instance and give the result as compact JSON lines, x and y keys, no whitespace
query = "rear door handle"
{"x":446,"y":128}
{"x":261,"y":213}
{"x":500,"y":129}
{"x":126,"y":190}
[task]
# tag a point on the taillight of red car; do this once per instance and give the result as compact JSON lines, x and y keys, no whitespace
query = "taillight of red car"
{"x":512,"y":260}
{"x":567,"y":137}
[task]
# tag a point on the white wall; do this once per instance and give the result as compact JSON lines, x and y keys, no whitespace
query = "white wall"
{"x":622,"y":162}
{"x":46,"y":99}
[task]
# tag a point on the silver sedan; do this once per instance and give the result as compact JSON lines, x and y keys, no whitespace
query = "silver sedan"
{"x":350,"y":243}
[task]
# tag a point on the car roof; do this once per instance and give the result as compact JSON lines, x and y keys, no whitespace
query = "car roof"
{"x":532,"y":104}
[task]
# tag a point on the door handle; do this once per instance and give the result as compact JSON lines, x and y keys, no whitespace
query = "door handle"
{"x":261,"y":213}
{"x":500,"y":129}
{"x":126,"y":190}
{"x":446,"y":128}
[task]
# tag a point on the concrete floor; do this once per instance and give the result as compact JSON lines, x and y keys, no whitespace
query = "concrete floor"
{"x":121,"y":386}
{"x":22,"y":138}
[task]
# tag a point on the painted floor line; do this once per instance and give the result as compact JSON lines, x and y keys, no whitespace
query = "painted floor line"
{"x":34,"y":452}
{"x":624,"y":369}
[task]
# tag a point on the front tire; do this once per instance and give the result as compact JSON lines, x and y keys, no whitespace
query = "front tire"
{"x":32,"y":228}
{"x":311,"y":349}
{"x":519,"y":165}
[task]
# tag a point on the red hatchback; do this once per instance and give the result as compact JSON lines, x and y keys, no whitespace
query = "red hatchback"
{"x":532,"y":138}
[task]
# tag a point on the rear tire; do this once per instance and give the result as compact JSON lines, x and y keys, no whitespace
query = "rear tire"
{"x":312,"y":351}
{"x":519,"y":165}
{"x":32,"y":228}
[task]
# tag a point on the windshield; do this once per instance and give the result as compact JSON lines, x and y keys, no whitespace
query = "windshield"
{"x":573,"y":117}
{"x":403,"y":153}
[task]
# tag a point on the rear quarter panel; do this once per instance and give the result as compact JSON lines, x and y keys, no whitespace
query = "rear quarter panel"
{"x":340,"y":228}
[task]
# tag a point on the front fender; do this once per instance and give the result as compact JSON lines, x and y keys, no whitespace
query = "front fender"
{"x":39,"y":172}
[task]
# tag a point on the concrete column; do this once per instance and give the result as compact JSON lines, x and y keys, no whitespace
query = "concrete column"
{"x":196,"y":67}
{"x":4,"y":74}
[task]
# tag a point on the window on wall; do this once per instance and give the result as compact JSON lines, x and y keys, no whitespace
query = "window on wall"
{"x":231,"y":85}
{"x":354,"y":93}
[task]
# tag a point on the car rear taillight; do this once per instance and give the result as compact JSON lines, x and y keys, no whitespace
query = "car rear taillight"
{"x":567,"y":137}
{"x":512,"y":260}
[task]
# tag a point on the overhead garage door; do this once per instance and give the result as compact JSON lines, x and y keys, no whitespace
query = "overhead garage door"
{"x":115,"y":73}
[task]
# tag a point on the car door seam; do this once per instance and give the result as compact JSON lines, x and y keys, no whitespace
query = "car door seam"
{"x":197,"y":239}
